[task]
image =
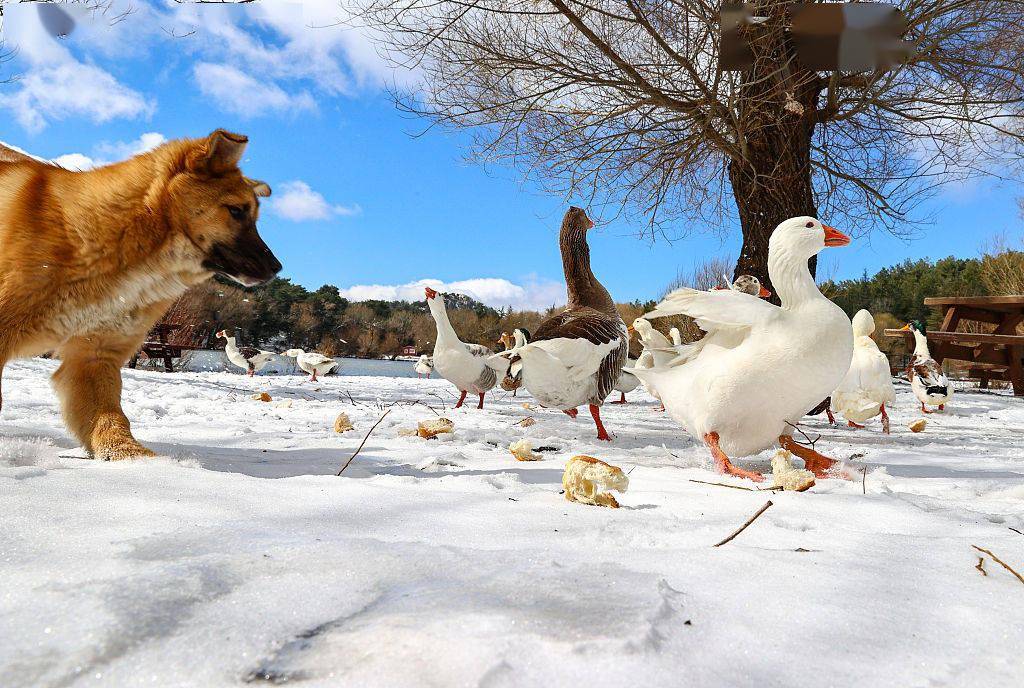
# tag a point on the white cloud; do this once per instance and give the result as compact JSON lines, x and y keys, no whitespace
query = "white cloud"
{"x":72,"y":90}
{"x":235,"y":91}
{"x":296,"y":201}
{"x":535,"y":294}
{"x":74,"y":161}
{"x":107,"y":152}
{"x":54,"y":85}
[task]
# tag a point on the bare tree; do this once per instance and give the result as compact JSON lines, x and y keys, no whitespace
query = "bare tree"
{"x":622,"y":102}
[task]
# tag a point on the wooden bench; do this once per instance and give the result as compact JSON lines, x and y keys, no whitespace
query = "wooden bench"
{"x":996,"y":355}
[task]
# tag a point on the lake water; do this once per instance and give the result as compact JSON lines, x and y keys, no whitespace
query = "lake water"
{"x":204,"y":361}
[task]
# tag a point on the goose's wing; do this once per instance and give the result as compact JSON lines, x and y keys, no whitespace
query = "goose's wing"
{"x":479,"y":350}
{"x":580,"y":323}
{"x":714,"y":310}
{"x":318,"y":359}
{"x":249,"y":351}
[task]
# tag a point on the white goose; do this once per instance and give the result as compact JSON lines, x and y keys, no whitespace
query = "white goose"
{"x":312,"y":362}
{"x":248,"y":358}
{"x":423,"y":366}
{"x":463,"y":365}
{"x":740,"y":395}
{"x":867,"y":387}
{"x":930,"y":384}
{"x":657,"y":351}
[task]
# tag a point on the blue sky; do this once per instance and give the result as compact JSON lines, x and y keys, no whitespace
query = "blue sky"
{"x":358,"y":201}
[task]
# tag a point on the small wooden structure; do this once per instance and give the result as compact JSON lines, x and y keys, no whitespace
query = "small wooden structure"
{"x":995,"y":355}
{"x":168,"y":340}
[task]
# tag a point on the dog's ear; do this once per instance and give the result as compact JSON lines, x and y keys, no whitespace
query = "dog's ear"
{"x":218,"y":153}
{"x":261,"y":189}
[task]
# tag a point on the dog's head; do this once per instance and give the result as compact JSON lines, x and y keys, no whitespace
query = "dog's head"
{"x":216,"y":207}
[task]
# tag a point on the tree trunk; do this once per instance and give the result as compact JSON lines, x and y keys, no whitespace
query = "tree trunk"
{"x":775,"y":111}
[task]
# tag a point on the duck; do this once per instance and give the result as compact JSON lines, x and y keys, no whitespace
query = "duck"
{"x":519,"y":337}
{"x":575,"y":356}
{"x":423,"y":366}
{"x":248,"y":358}
{"x":312,"y":362}
{"x":867,"y":387}
{"x":930,"y":384}
{"x":760,"y":366}
{"x":463,"y":365}
{"x":657,"y":351}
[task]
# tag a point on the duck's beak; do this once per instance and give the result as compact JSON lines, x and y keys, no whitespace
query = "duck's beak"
{"x":764,"y":293}
{"x":833,"y":237}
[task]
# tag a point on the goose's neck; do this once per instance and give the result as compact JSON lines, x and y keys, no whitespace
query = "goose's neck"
{"x":921,"y":345}
{"x":445,"y":331}
{"x":582,"y":287}
{"x":791,"y":278}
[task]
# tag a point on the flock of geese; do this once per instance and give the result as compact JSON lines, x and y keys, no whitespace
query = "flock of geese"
{"x":740,"y":389}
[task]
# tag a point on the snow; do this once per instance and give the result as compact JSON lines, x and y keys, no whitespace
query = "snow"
{"x":239,"y":557}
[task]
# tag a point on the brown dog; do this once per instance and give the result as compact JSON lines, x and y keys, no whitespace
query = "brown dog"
{"x":89,"y":261}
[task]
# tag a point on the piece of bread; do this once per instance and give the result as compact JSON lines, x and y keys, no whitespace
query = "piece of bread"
{"x":523,"y":450}
{"x":432,"y":428}
{"x":584,"y":476}
{"x":262,"y":396}
{"x":918,"y":425}
{"x":788,"y":477}
{"x":342,"y":423}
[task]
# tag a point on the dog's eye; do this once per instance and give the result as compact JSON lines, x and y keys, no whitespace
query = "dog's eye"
{"x":809,"y":224}
{"x":236,"y":212}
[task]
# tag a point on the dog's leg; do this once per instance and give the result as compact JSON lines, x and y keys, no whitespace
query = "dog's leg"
{"x":88,"y":383}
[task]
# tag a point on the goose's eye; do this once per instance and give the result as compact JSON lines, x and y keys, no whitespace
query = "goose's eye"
{"x":236,"y":212}
{"x":809,"y":225}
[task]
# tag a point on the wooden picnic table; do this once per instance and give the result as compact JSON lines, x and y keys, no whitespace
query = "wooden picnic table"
{"x":995,"y":355}
{"x":157,"y":346}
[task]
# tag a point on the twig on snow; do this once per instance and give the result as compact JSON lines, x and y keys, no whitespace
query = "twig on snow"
{"x":981,"y":566}
{"x":1000,"y":562}
{"x":364,"y":440}
{"x":735,"y":487}
{"x":745,"y":525}
{"x":864,"y":480}
{"x":1015,"y":530}
{"x":810,"y":442}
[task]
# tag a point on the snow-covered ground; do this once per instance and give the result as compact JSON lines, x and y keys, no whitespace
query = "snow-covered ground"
{"x":243,"y":558}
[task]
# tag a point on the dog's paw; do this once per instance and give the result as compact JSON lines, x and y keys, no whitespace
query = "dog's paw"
{"x":120,"y":451}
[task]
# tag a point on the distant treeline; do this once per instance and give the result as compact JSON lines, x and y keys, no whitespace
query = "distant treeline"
{"x":281,"y":314}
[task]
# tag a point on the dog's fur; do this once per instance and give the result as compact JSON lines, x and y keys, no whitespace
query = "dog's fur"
{"x":89,"y":261}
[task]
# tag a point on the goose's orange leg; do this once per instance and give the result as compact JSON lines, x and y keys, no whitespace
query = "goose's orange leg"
{"x":851,"y":424}
{"x":815,"y":462}
{"x":481,"y":404}
{"x":461,"y":399}
{"x":602,"y":434}
{"x":831,"y":418}
{"x":942,"y":407}
{"x":924,"y":410}
{"x":622,"y":400}
{"x":885,"y":420}
{"x":572,"y":413}
{"x":722,"y":461}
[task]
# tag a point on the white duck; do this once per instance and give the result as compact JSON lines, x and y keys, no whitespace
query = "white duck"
{"x":867,"y":387}
{"x":929,"y":383}
{"x":423,"y":366}
{"x":657,"y":351}
{"x":248,"y":358}
{"x":312,"y":362}
{"x":740,"y":395}
{"x":463,"y":365}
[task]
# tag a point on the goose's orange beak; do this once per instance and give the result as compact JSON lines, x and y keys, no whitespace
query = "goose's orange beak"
{"x":833,"y":237}
{"x":429,"y":292}
{"x":764,"y":293}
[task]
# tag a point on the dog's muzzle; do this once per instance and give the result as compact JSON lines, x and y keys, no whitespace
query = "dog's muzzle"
{"x":248,"y":261}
